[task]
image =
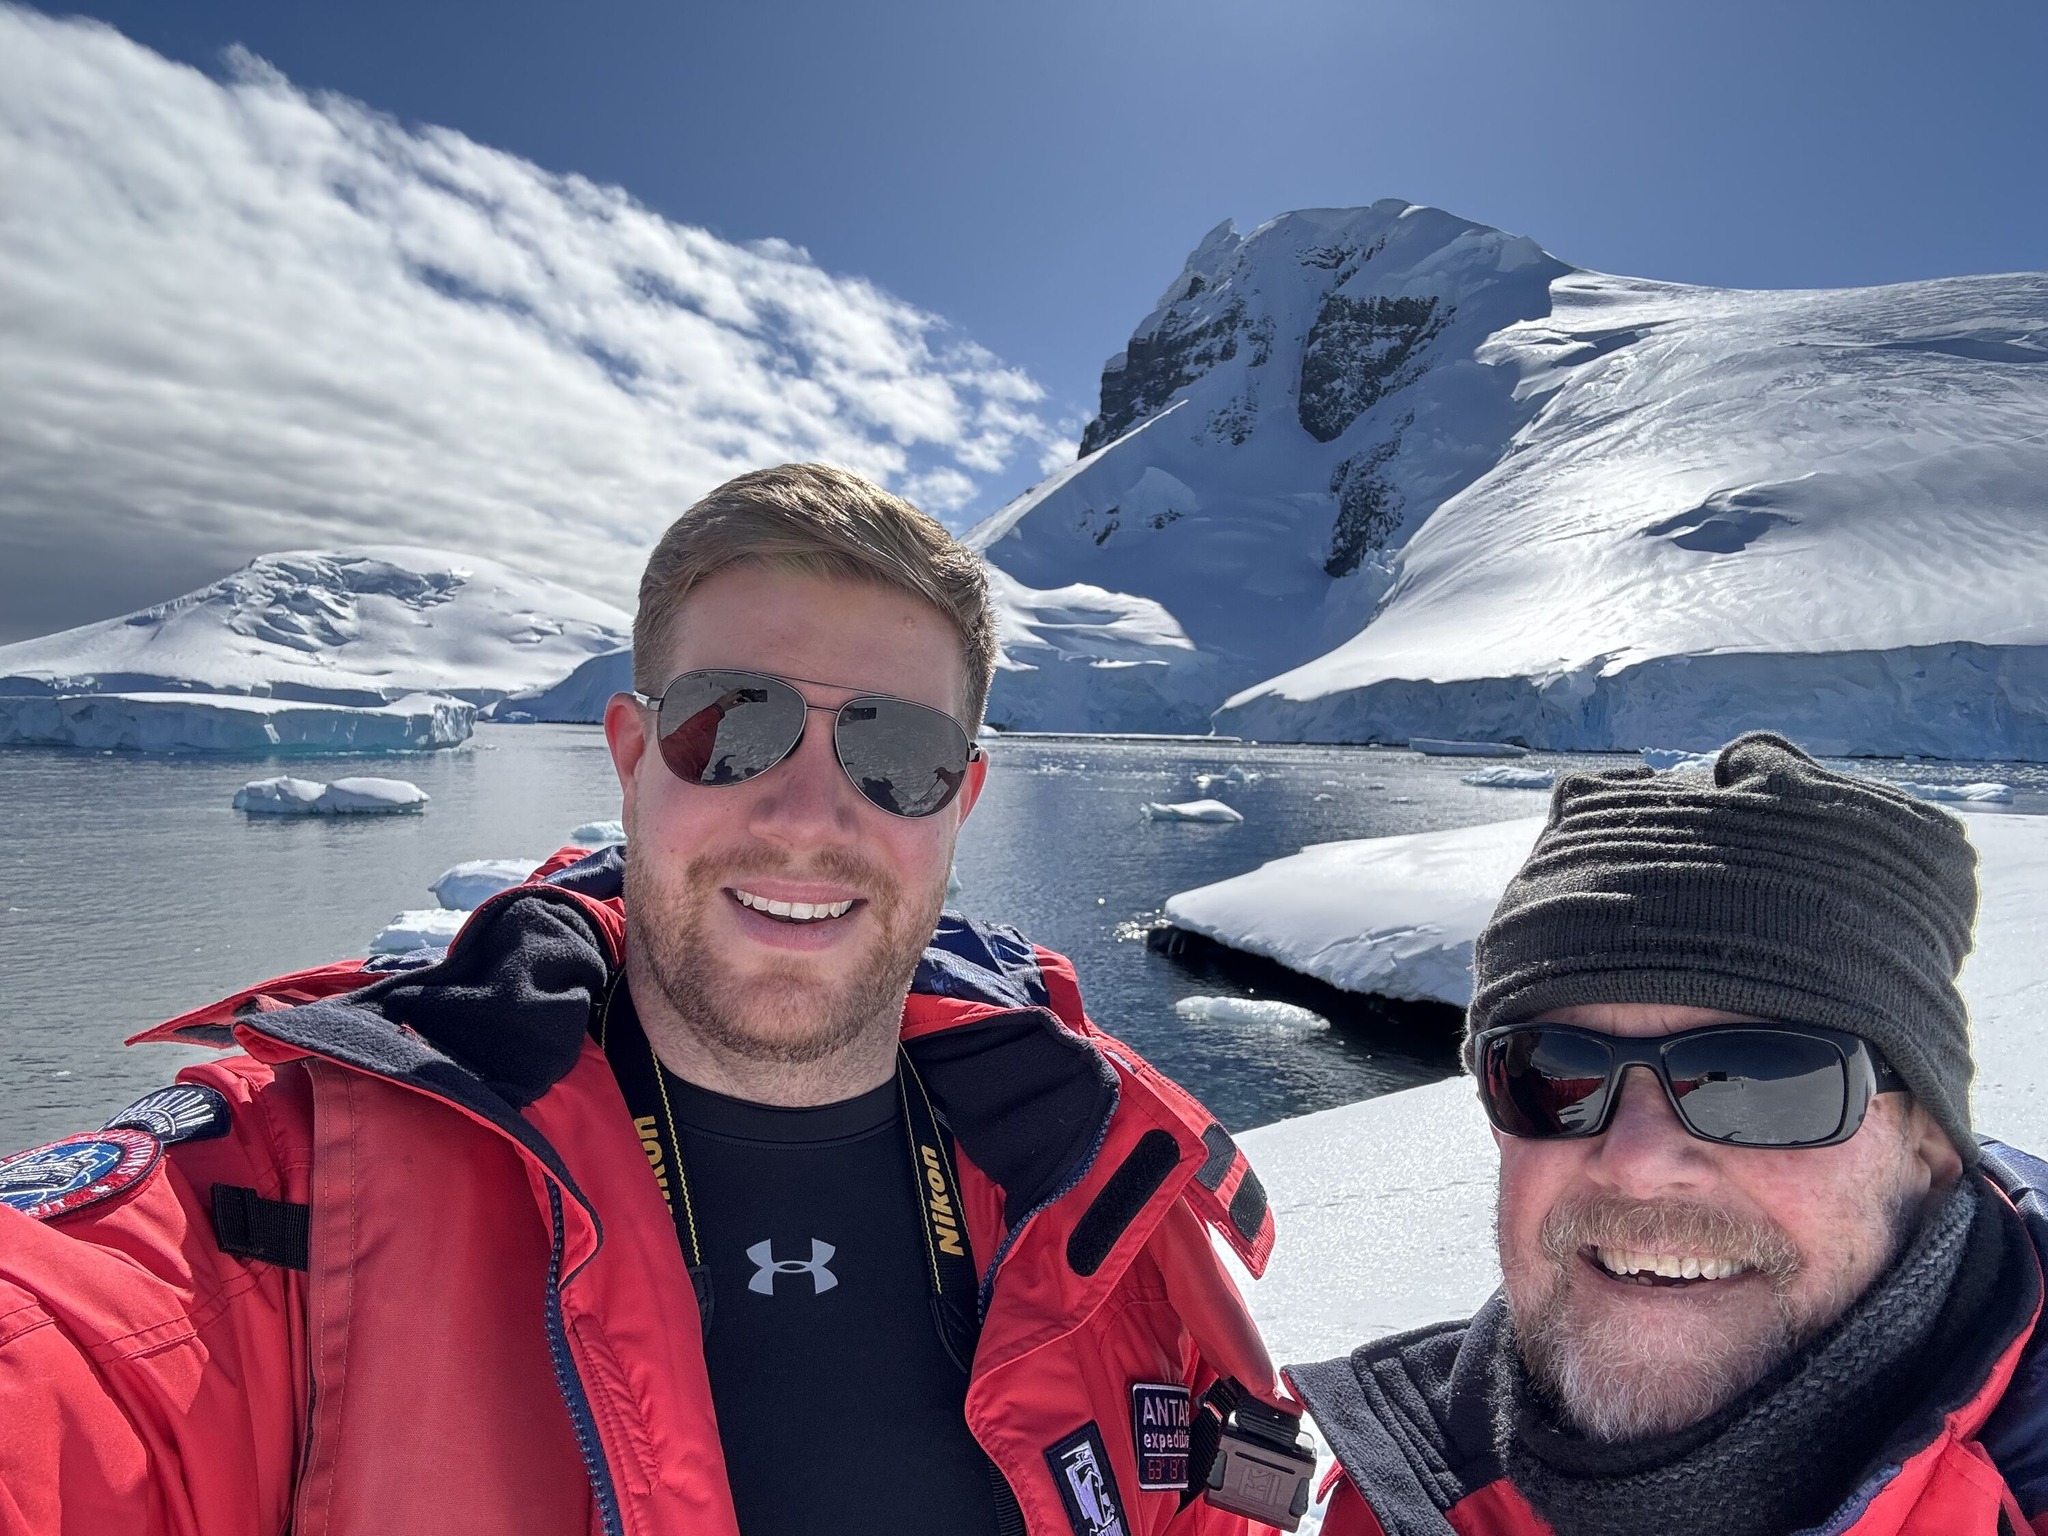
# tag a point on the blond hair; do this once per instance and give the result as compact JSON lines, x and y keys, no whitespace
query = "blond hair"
{"x":818,"y":521}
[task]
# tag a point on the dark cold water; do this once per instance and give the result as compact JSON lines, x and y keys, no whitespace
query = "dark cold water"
{"x":133,"y":892}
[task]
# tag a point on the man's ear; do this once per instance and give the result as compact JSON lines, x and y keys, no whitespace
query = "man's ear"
{"x":625,"y":733}
{"x":1931,"y":1145}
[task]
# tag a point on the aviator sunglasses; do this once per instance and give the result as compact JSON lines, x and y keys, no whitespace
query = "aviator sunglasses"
{"x":725,"y":727}
{"x":1741,"y":1085}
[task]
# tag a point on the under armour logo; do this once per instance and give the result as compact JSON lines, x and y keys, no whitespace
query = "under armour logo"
{"x":767,"y":1267}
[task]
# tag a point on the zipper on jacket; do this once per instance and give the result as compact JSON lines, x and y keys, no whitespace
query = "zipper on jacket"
{"x":573,"y":1397}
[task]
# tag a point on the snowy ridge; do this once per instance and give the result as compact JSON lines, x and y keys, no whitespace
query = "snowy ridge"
{"x":1395,"y":474}
{"x":1297,"y":401}
{"x":358,"y":627}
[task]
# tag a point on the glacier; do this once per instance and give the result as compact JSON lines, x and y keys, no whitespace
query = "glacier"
{"x":232,"y":723}
{"x":355,"y":627}
{"x":1396,"y":475}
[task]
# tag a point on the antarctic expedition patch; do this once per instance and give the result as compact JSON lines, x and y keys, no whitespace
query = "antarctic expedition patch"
{"x":181,"y":1112}
{"x":79,"y":1171}
{"x":1159,"y":1434}
{"x":1080,"y":1465}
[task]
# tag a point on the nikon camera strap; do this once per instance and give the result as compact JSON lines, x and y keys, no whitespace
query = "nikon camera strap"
{"x":954,"y":1285}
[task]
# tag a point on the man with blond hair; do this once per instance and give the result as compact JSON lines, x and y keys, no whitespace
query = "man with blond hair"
{"x":1759,"y":1275}
{"x":720,"y":1184}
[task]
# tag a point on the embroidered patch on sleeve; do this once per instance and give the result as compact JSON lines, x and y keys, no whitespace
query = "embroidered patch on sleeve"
{"x":1080,"y":1466}
{"x":181,"y":1112}
{"x":69,"y":1175}
{"x":1159,"y":1434}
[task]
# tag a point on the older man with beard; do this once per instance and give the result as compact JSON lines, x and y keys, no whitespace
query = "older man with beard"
{"x":720,"y":1186}
{"x":1759,"y":1277}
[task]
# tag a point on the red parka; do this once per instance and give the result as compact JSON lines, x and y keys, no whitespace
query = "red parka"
{"x":494,"y":1331}
{"x":1409,"y":1421}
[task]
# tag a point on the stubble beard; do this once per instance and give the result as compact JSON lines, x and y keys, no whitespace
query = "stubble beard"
{"x":786,"y":1013}
{"x":1613,"y":1380}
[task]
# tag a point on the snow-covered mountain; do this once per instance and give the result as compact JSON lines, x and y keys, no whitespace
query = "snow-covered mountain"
{"x":352,"y":627}
{"x":1393,"y":473}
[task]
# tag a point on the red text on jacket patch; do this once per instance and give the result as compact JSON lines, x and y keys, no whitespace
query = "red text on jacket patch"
{"x":76,"y":1172}
{"x":1159,"y":1434}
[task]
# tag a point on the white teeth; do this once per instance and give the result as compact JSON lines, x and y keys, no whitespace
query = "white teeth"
{"x":796,"y":911}
{"x":1619,"y":1261}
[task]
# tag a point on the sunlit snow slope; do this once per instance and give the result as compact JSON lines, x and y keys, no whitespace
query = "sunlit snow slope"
{"x":353,"y":627}
{"x":1395,"y":474}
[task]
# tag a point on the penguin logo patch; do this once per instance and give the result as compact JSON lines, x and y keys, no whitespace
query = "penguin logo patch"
{"x":1080,"y":1466}
{"x":69,"y":1175}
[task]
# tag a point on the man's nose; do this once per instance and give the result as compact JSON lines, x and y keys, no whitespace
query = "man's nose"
{"x":1645,"y":1146}
{"x":806,"y":799}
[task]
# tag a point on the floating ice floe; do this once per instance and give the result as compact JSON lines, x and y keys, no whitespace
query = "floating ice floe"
{"x":1510,"y":778}
{"x":1429,"y":747}
{"x":1987,"y":792}
{"x":1236,"y":773}
{"x":1192,"y":810}
{"x":427,"y":928}
{"x":470,"y":884}
{"x":1265,"y":1012}
{"x":1386,"y":1207}
{"x":598,"y":834}
{"x":287,"y":796}
{"x":1391,"y":915}
{"x":222,"y":722}
{"x":1671,"y":760}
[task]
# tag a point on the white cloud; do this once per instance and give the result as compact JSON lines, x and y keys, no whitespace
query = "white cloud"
{"x":238,"y":317}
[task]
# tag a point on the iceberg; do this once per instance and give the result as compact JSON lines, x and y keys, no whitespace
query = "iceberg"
{"x":287,"y":796}
{"x":426,"y":928}
{"x":1385,"y":1209}
{"x":598,"y":834}
{"x":1510,"y":778}
{"x":236,"y":723}
{"x":1192,"y":810}
{"x":470,"y":884}
{"x":1262,"y":1012}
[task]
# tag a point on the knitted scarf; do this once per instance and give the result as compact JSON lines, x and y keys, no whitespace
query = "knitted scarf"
{"x":1785,"y":1454}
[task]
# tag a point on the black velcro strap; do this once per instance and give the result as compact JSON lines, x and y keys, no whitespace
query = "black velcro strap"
{"x":1248,"y":1205}
{"x":1122,"y":1196}
{"x":270,"y":1231}
{"x":1222,"y":1153}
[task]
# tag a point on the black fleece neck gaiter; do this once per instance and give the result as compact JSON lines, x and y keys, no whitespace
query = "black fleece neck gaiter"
{"x":1783,"y":1455}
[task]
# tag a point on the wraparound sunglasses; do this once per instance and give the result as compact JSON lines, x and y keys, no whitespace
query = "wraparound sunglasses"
{"x":725,"y":727}
{"x":1741,"y":1085}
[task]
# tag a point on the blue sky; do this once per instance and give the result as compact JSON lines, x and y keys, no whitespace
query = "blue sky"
{"x":1037,"y":172}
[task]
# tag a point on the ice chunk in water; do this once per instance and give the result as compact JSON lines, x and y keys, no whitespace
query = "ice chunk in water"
{"x":469,"y":884}
{"x":1987,"y":792}
{"x":287,"y":796}
{"x":428,"y":928}
{"x":598,"y":834}
{"x":1510,"y":778}
{"x":1265,"y":1012}
{"x":1192,"y":810}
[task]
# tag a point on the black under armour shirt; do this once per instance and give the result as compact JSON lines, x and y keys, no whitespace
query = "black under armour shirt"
{"x":839,"y":1408}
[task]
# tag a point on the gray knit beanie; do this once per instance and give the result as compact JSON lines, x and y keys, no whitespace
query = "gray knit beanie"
{"x":1776,"y":888}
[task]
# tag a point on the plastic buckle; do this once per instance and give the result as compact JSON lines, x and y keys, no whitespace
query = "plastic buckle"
{"x":1264,"y":1467}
